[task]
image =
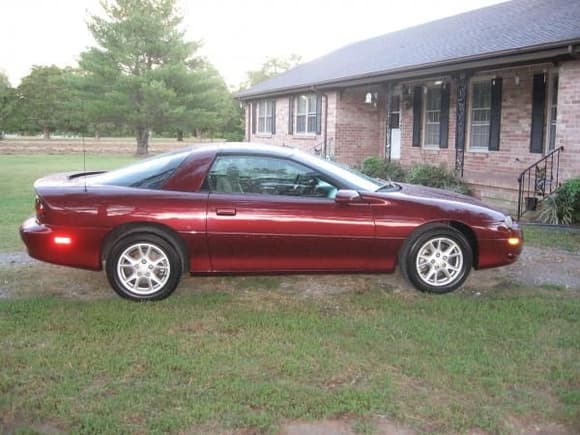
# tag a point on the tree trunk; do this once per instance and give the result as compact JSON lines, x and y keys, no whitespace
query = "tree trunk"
{"x":97,"y":134}
{"x":46,"y":133}
{"x":179,"y":135}
{"x":142,"y":136}
{"x":198,"y":133}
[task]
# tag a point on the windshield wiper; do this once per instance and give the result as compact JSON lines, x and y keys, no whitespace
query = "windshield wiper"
{"x":389,"y":185}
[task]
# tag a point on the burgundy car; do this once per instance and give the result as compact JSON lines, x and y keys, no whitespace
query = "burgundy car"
{"x":241,"y":208}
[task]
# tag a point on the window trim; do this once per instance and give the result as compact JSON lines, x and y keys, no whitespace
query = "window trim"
{"x":268,"y":115}
{"x":309,"y":112}
{"x":548,"y":109}
{"x":424,"y":145}
{"x":478,"y":79}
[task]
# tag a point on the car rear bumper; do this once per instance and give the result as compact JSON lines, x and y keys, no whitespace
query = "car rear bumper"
{"x":82,"y":252}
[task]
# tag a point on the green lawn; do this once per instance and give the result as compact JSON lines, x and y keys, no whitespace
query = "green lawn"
{"x":262,"y":354}
{"x":552,"y":238}
{"x":252,"y":353}
{"x":18,"y":172}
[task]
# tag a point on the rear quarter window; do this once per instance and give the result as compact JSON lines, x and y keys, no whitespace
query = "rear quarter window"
{"x":148,"y":174}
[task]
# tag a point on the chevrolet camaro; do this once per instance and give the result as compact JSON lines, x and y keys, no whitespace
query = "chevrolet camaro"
{"x":244,"y":208}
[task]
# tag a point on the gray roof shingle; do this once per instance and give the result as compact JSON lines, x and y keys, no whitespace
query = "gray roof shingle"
{"x":517,"y":24}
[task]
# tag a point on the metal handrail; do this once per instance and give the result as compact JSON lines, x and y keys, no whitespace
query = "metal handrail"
{"x":543,"y":185}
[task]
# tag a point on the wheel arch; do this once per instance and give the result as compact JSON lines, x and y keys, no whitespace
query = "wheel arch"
{"x":463,"y":228}
{"x":163,"y":231}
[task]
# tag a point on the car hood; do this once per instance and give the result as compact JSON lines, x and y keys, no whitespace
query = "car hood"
{"x":417,"y":193}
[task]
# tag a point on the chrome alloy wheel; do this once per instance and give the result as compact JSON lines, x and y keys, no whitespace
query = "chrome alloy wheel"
{"x":439,"y":262}
{"x":143,"y":268}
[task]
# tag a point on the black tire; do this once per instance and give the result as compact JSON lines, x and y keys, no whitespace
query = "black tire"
{"x":159,"y":271}
{"x":419,"y":242}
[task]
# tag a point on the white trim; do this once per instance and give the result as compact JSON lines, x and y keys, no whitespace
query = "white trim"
{"x":267,"y":105}
{"x":309,"y":113}
{"x":472,"y":81}
{"x":424,"y":117}
{"x":548,"y":108}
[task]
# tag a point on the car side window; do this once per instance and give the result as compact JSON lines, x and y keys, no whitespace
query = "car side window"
{"x":267,"y":176}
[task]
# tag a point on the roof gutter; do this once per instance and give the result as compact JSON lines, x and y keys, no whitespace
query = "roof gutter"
{"x":513,"y":56}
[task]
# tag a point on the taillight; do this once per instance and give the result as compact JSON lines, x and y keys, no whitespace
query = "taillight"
{"x":39,"y":207}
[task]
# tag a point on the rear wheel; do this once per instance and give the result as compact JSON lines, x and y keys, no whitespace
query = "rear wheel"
{"x":143,"y":267}
{"x":437,"y":260}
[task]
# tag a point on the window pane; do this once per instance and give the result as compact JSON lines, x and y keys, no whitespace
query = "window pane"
{"x":301,"y":124}
{"x":312,"y":103}
{"x":301,"y":104}
{"x":480,"y":136}
{"x":268,"y":176}
{"x":432,"y":134}
{"x":261,"y":124}
{"x":312,"y":124}
{"x":261,"y":108}
{"x":434,"y":98}
{"x":482,"y":95}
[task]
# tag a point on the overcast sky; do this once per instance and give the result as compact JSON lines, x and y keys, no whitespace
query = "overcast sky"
{"x":237,"y":35}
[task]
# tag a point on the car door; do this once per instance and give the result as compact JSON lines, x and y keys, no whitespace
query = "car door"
{"x":273,"y":214}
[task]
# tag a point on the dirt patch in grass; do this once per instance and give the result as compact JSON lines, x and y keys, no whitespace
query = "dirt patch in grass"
{"x":552,"y":269}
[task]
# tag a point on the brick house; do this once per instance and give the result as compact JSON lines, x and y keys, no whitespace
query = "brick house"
{"x":487,"y":92}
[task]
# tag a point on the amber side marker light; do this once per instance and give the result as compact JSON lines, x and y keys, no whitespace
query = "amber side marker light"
{"x":514,"y":241}
{"x":61,"y":240}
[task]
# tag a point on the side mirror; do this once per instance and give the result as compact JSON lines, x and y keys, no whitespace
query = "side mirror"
{"x":346,"y":196}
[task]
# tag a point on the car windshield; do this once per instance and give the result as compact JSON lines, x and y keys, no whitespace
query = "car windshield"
{"x":350,"y":175}
{"x":146,"y":174}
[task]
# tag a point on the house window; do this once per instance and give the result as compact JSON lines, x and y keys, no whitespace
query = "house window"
{"x":306,"y":114}
{"x":265,"y":115}
{"x":480,"y":115}
{"x":432,"y":117}
{"x":553,"y":112}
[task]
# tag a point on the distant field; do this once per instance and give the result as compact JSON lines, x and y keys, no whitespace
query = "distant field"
{"x":108,"y":145}
{"x":18,"y":172}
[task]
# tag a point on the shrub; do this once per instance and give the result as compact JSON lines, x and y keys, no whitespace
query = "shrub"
{"x":424,"y":174}
{"x":379,"y":168}
{"x":564,"y":206}
{"x":436,"y":176}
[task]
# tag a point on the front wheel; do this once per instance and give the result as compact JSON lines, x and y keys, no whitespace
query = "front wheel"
{"x":143,"y":267}
{"x":438,"y":260}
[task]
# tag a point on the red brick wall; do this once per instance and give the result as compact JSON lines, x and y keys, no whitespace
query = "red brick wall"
{"x":568,"y":128}
{"x":359,"y":126}
{"x":356,"y":130}
{"x":282,"y":138}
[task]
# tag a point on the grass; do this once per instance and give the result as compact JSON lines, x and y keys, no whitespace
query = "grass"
{"x":552,"y":238}
{"x":266,"y":353}
{"x":17,"y":174}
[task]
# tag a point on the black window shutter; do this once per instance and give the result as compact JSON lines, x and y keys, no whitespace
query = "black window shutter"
{"x":538,"y":107}
{"x":273,"y":116}
{"x":319,"y":114}
{"x":444,"y":117}
{"x":495,"y":115}
{"x":417,"y":112}
{"x":291,"y":115}
{"x":254,"y":117}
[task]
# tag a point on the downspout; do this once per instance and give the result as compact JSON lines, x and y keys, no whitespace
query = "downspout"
{"x":325,"y":144}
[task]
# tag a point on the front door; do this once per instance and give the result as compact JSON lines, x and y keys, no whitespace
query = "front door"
{"x":395,"y":127}
{"x":274,"y":214}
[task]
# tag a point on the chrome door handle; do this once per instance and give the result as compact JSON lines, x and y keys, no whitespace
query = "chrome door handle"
{"x":225,"y":211}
